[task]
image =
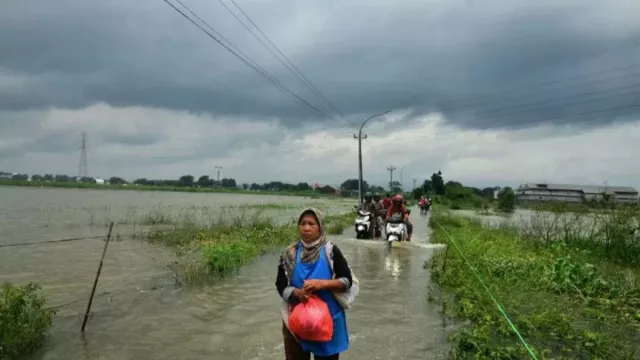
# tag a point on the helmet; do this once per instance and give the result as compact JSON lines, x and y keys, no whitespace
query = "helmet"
{"x":397,"y":199}
{"x":367,"y":196}
{"x":376,"y":196}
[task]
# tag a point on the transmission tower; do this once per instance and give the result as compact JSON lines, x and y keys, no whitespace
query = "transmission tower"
{"x":83,"y":172}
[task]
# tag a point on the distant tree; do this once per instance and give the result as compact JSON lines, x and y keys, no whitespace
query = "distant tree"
{"x":303,"y":186}
{"x":427,"y":187}
{"x":48,"y":177}
{"x":116,"y":180}
{"x":352,"y":185}
{"x":438,"y":183}
{"x":141,"y":181}
{"x":377,"y":189}
{"x":228,"y":183}
{"x":506,"y":200}
{"x":20,"y":177}
{"x":185,"y":180}
{"x":487,"y":193}
{"x":474,"y":190}
{"x":256,"y":186}
{"x":62,"y":178}
{"x":245,"y":186}
{"x":37,"y":177}
{"x":204,"y":181}
{"x":327,"y":190}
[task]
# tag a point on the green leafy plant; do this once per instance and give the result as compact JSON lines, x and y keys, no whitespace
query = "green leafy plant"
{"x":24,"y":322}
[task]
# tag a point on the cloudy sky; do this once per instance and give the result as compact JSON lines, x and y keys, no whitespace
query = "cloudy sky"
{"x":489,"y":92}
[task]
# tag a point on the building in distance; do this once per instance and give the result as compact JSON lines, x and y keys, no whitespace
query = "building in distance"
{"x":533,"y":193}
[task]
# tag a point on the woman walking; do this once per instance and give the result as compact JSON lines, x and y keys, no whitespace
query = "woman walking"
{"x":314,"y":266}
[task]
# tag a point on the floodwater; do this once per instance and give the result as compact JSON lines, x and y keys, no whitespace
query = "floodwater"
{"x":140,"y":312}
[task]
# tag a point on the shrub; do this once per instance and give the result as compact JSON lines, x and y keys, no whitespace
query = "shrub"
{"x":24,"y":322}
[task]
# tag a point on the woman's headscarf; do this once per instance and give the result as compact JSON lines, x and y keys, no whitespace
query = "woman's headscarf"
{"x":310,"y":252}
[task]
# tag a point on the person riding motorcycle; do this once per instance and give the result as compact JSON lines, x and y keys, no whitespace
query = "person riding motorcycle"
{"x":379,"y":213}
{"x":387,"y":201}
{"x":422,"y":201}
{"x":369,"y":206}
{"x":397,"y":206}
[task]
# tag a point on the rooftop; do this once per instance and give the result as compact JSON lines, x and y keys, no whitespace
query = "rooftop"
{"x":583,"y":188}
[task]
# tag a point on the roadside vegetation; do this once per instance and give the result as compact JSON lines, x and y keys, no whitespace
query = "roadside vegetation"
{"x":222,"y":246}
{"x":455,"y":196}
{"x":570,"y":285}
{"x":24,"y":322}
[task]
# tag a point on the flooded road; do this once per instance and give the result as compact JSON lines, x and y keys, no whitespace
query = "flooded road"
{"x":140,"y":313}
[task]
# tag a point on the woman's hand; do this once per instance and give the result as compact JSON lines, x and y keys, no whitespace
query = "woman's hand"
{"x":301,"y":294}
{"x":314,"y":285}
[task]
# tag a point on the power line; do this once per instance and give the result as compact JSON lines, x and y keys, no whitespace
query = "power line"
{"x":535,"y":85}
{"x":244,"y":58}
{"x":286,"y":62}
{"x":563,"y":98}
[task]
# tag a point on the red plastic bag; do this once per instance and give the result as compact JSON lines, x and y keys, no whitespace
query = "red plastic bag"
{"x":312,"y":320}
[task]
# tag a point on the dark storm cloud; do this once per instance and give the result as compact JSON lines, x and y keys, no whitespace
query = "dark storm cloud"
{"x":428,"y":56}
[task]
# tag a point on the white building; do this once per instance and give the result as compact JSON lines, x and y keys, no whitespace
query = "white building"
{"x":531,"y":192}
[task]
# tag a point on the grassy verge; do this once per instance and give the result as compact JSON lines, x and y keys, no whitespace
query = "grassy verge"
{"x":223,"y":247}
{"x":24,"y":322}
{"x":75,"y":185}
{"x":568,"y":302}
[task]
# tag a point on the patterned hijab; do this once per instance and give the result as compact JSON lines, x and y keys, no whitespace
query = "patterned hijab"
{"x":310,"y":252}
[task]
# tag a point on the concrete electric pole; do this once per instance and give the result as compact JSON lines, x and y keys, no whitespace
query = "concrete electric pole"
{"x":218,"y":169}
{"x":391,"y":168}
{"x":360,"y":137}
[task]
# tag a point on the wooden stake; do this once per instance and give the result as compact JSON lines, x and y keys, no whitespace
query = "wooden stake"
{"x":95,"y":282}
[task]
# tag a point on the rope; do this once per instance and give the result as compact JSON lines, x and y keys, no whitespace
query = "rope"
{"x":60,"y":240}
{"x":500,"y":308}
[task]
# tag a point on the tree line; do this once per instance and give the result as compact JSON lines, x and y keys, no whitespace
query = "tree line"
{"x":461,"y":196}
{"x":203,"y":181}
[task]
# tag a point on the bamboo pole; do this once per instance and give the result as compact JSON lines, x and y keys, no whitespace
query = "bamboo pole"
{"x":95,"y":282}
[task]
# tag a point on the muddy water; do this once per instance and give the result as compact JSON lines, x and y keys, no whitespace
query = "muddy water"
{"x":140,"y":312}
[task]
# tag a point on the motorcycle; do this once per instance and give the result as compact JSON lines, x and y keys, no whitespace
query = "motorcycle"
{"x":424,"y":209}
{"x":363,"y":224}
{"x":396,"y":230}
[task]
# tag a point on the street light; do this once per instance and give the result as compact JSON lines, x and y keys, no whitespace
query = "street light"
{"x":359,"y":137}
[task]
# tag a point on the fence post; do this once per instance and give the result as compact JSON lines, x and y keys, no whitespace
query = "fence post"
{"x":95,"y":282}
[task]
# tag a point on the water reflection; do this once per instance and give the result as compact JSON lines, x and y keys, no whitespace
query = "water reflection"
{"x":392,"y":264}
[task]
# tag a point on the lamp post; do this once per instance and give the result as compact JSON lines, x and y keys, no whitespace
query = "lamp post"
{"x":359,"y":137}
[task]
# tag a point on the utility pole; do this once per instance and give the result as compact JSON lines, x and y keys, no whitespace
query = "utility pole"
{"x":391,"y":168}
{"x":218,"y":168}
{"x":83,"y":172}
{"x":414,"y":185}
{"x":360,"y":137}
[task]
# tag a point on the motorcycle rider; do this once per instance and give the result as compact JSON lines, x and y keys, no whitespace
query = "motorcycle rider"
{"x":369,"y":206}
{"x":387,"y":201}
{"x":379,"y":211}
{"x":397,"y":206}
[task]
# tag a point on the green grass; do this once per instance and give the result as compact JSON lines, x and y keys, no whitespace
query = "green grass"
{"x":24,"y":323}
{"x":76,"y":185}
{"x":568,"y":302}
{"x":223,"y":247}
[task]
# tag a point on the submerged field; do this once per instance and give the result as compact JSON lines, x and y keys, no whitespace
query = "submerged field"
{"x":53,"y":238}
{"x":569,"y":287}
